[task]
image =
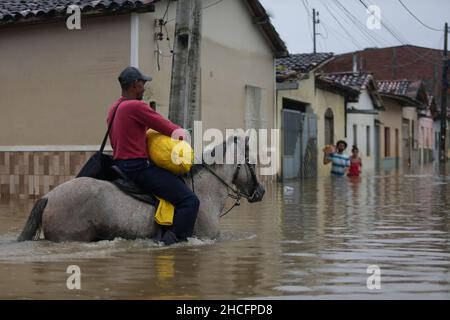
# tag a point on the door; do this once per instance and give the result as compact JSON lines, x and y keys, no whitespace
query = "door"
{"x":309,"y":146}
{"x":299,"y":145}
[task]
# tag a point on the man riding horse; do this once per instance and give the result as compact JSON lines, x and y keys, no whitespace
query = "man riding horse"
{"x":131,"y":118}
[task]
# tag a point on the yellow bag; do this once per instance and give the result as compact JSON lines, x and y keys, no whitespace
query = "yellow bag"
{"x":176,"y":156}
{"x":164,"y":212}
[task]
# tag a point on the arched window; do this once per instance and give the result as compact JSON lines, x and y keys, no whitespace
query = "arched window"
{"x":329,"y":127}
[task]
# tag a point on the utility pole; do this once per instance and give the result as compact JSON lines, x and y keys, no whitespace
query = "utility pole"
{"x":184,"y":105}
{"x":445,"y":87}
{"x":315,"y":21}
{"x":194,"y":97}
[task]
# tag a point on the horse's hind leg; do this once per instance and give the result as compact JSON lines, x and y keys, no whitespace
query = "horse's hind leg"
{"x":60,"y":226}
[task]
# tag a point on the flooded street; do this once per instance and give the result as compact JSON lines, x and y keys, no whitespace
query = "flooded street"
{"x":313,"y":239}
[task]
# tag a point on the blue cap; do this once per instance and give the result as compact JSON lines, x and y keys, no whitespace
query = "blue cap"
{"x":131,"y":74}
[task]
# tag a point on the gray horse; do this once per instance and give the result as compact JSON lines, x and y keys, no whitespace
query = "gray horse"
{"x":87,"y":210}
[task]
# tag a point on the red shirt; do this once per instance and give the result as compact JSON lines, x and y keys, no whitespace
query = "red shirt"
{"x":128,"y":132}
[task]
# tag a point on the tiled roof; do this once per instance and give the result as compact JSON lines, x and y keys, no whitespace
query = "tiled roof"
{"x":356,"y":80}
{"x":395,"y":87}
{"x":12,"y":11}
{"x":304,"y":62}
{"x":412,"y":89}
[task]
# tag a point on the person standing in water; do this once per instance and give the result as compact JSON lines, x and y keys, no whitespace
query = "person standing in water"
{"x":339,"y":160}
{"x":355,"y":163}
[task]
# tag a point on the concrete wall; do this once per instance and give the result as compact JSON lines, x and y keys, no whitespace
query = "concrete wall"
{"x":56,"y":85}
{"x":234,"y":54}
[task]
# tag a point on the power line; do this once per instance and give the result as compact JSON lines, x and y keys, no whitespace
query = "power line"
{"x":362,"y":28}
{"x":415,"y":17}
{"x":337,"y":34}
{"x":309,"y":15}
{"x":356,"y":43}
{"x":399,"y":38}
{"x":419,"y":57}
{"x":351,"y":23}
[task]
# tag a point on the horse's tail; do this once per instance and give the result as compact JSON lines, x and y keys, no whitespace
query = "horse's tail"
{"x":32,"y":229}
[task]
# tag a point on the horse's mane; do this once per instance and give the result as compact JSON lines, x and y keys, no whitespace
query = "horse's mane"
{"x":197,"y":168}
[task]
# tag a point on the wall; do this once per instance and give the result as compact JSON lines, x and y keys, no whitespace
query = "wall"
{"x":362,"y":121}
{"x":391,"y":118}
{"x":55,"y":88}
{"x":324,"y":100}
{"x":56,"y":85}
{"x":234,"y":54}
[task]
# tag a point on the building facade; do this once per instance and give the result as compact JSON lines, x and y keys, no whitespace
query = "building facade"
{"x":57,"y":85}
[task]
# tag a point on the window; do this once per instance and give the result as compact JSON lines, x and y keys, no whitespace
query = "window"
{"x":355,"y":135}
{"x":329,"y":127}
{"x":368,"y":146}
{"x":255,"y":109}
{"x":387,"y":142}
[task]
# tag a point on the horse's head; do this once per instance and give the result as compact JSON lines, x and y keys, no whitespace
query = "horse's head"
{"x":244,"y":177}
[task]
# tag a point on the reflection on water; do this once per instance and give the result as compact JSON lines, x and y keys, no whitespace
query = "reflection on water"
{"x":307,"y":240}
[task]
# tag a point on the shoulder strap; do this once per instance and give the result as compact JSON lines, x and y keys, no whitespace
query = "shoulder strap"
{"x":109,"y":128}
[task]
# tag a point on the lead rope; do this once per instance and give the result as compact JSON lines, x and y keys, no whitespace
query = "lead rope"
{"x":237,"y":203}
{"x":237,"y":195}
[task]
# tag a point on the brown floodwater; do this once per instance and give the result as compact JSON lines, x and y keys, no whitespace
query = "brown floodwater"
{"x":312,"y":239}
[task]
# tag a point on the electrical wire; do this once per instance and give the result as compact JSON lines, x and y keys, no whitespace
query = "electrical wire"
{"x":355,"y":42}
{"x":307,"y":9}
{"x":342,"y":15}
{"x":360,"y":26}
{"x":399,"y":38}
{"x":415,"y":17}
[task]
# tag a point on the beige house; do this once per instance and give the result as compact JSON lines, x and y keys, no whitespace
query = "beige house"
{"x":310,"y":112}
{"x":412,"y":97}
{"x":57,"y":84}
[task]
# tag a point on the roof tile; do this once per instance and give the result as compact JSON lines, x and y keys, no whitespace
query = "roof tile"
{"x":15,"y":10}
